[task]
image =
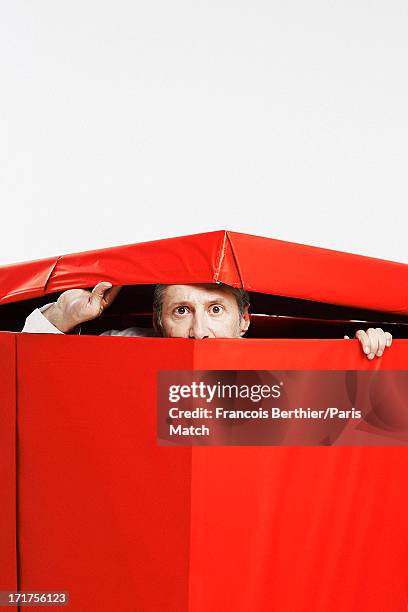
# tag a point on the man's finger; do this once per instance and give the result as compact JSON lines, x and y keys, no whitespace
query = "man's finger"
{"x":99,"y":291}
{"x":111,"y":294}
{"x":381,"y":341}
{"x":364,"y":340}
{"x":388,"y":339}
{"x":373,"y":338}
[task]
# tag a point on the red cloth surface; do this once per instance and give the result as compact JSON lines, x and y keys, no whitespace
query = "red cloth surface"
{"x":8,"y":510}
{"x":258,"y":264}
{"x":123,"y":524}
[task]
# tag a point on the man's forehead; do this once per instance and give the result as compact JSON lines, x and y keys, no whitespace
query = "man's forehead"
{"x":196,"y":293}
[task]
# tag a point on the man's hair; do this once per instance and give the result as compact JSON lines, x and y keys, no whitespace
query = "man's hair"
{"x":241,"y":296}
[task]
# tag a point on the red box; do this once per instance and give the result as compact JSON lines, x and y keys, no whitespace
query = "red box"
{"x":93,"y":506}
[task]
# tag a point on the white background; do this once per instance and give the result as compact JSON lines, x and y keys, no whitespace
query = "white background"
{"x":127,"y":121}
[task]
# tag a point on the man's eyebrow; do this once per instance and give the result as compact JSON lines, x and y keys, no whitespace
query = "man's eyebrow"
{"x":213,"y":300}
{"x":219,"y":298}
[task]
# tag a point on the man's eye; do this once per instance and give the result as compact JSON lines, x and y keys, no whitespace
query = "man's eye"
{"x":216,"y":309}
{"x":181,"y":310}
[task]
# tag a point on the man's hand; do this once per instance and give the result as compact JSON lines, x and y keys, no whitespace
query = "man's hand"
{"x":374,"y":341}
{"x":76,"y":306}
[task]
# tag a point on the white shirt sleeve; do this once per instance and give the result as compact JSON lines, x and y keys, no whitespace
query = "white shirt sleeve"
{"x":36,"y":323}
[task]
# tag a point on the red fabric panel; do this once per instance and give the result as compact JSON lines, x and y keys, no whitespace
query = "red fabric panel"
{"x":199,"y":258}
{"x":24,"y":281}
{"x":8,"y":551}
{"x":104,"y":511}
{"x":189,"y":259}
{"x":259,"y":264}
{"x":311,"y":273}
{"x":298,"y":528}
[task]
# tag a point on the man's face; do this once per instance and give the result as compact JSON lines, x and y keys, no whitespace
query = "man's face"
{"x":200,"y":311}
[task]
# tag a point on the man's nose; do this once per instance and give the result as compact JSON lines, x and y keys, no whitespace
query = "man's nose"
{"x":199,"y":328}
